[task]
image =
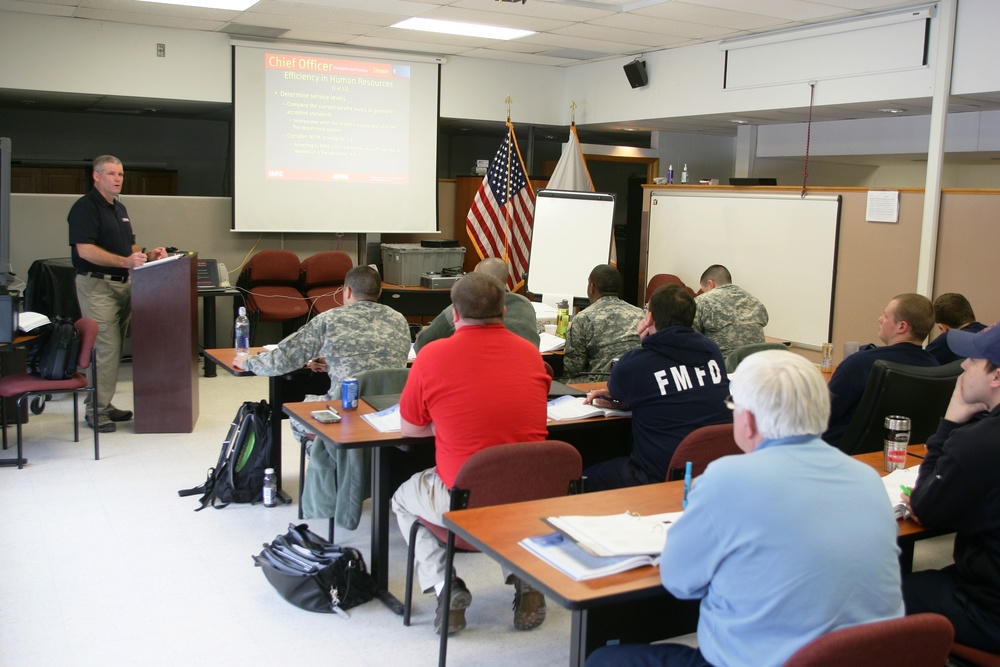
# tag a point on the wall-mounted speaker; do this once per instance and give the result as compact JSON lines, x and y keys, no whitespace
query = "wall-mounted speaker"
{"x":636,"y":73}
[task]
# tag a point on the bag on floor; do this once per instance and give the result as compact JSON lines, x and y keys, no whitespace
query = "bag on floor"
{"x":238,"y":476}
{"x":315,"y":575}
{"x":53,"y":357}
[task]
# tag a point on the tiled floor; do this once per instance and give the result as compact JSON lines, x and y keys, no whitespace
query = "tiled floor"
{"x":103,"y":564}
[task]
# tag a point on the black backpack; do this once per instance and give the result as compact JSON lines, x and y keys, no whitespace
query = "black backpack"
{"x":55,"y":352}
{"x":238,"y":477}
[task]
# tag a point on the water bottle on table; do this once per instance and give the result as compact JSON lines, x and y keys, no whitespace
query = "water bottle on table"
{"x":242,"y":334}
{"x":896,"y":439}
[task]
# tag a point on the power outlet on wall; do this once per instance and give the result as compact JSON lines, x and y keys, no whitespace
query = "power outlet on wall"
{"x":161,"y":50}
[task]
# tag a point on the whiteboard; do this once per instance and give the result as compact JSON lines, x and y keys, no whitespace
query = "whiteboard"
{"x":571,"y":234}
{"x":780,"y":248}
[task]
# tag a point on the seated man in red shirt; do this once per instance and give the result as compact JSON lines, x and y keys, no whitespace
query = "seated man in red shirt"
{"x":484,"y":386}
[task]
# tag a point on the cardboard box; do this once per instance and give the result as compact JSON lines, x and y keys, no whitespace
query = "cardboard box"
{"x":404,"y":263}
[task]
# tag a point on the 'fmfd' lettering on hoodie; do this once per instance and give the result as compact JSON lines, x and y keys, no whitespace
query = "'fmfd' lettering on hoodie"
{"x":679,"y":377}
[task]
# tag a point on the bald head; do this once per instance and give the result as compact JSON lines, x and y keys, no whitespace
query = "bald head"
{"x":495,"y":268}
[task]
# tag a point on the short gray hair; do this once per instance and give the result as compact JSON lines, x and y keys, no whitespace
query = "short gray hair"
{"x":102,"y":160}
{"x":785,"y":392}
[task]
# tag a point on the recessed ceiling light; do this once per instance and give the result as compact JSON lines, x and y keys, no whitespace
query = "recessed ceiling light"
{"x":233,"y":5}
{"x":739,"y":122}
{"x":892,"y":110}
{"x":464,"y":29}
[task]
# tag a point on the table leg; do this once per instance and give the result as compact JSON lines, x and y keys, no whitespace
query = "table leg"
{"x":381,"y":495}
{"x":208,"y":332}
{"x":276,"y":416}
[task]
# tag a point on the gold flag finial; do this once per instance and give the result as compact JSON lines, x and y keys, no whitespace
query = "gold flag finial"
{"x":572,"y":112}
{"x":508,"y":101}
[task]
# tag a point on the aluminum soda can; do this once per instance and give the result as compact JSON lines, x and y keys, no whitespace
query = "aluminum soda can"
{"x":349,"y":394}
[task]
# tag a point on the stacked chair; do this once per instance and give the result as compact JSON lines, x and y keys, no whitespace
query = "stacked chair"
{"x":278,"y":288}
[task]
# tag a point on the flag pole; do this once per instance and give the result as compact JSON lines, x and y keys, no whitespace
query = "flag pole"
{"x":507,"y":193}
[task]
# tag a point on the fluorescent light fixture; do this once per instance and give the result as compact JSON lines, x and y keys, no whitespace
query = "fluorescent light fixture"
{"x":464,"y":29}
{"x":232,"y":5}
{"x":739,"y":122}
{"x":892,"y":110}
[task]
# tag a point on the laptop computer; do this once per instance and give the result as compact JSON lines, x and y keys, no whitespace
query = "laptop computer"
{"x":212,"y":275}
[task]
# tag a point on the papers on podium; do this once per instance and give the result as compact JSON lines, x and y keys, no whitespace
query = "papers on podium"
{"x":566,"y":556}
{"x":572,"y":407}
{"x":892,"y":482}
{"x":162,"y":260}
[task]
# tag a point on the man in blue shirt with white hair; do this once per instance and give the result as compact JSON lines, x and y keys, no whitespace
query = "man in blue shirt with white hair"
{"x":781,"y":546}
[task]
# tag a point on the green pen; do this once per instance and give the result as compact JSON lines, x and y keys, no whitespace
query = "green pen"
{"x":907,"y":490}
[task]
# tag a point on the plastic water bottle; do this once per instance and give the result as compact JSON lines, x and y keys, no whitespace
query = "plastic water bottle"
{"x":562,"y":318}
{"x":270,"y":488}
{"x":684,"y":175}
{"x":242,"y":334}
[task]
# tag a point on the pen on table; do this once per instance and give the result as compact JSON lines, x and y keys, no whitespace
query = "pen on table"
{"x":687,"y":484}
{"x":331,"y":409}
{"x":906,"y":489}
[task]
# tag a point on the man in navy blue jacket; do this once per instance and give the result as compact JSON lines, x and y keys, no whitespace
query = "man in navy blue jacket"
{"x":957,"y":490}
{"x":952,"y":311}
{"x":903,"y":326}
{"x":676,"y":382}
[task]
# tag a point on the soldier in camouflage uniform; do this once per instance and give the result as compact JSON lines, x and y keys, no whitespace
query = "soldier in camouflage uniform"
{"x":361,"y":335}
{"x":728,"y":314}
{"x":518,"y":317}
{"x":605,"y":330}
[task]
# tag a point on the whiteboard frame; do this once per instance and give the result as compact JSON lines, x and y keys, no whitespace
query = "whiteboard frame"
{"x":781,"y":248}
{"x":570,"y":235}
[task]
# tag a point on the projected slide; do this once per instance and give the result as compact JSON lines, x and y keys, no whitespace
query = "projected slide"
{"x":325,"y":141}
{"x":332,"y":119}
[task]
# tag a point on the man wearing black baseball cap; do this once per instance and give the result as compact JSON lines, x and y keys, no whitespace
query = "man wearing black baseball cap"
{"x":957,"y":489}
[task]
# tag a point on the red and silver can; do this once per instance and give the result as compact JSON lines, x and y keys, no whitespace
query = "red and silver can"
{"x":349,"y":394}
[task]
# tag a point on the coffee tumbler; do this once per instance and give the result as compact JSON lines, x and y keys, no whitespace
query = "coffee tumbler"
{"x":896,"y":438}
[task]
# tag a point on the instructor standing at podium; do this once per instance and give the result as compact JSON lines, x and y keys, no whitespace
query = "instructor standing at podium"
{"x":104,"y":252}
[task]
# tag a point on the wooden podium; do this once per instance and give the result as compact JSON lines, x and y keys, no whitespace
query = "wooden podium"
{"x":165,"y":346}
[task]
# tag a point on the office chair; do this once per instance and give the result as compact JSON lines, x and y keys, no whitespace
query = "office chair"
{"x":734,"y":358}
{"x":663,"y":279}
{"x":918,"y":392}
{"x":921,"y":640}
{"x":24,"y":386}
{"x":270,"y":283}
{"x":497,"y":475}
{"x":702,"y":446}
{"x":323,"y":279}
{"x":973,"y":656}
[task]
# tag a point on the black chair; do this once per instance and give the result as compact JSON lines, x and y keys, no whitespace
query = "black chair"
{"x":918,"y":392}
{"x":734,"y":358}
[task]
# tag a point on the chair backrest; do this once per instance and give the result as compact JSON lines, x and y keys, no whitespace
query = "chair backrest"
{"x":975,"y":656}
{"x":329,"y":267}
{"x":921,"y":640}
{"x":517,"y":472}
{"x":663,"y":279}
{"x":918,"y":392}
{"x":702,"y":446}
{"x":734,"y":358}
{"x":271,"y":267}
{"x":381,"y":381}
{"x":88,"y":339}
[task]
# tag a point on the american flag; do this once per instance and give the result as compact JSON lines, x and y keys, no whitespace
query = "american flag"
{"x":499,"y":222}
